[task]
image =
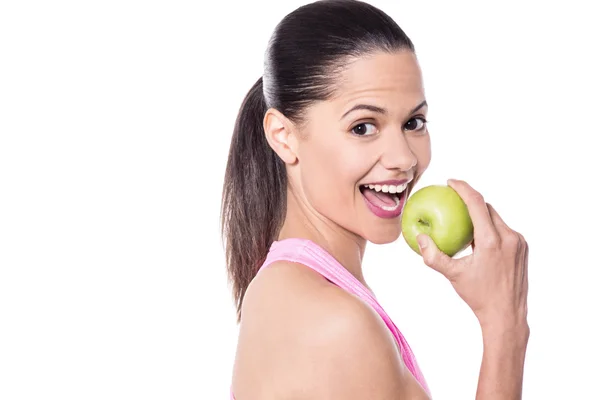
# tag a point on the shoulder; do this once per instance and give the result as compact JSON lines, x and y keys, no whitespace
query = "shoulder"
{"x":320,"y":339}
{"x":297,"y":294}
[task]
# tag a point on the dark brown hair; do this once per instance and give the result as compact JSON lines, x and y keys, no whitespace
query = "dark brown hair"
{"x":306,"y":51}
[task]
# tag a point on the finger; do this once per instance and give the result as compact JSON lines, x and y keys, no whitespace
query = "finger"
{"x":480,"y":215}
{"x":434,"y":258}
{"x":497,"y":220}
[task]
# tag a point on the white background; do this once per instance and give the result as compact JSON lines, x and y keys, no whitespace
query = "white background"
{"x":115,"y":121}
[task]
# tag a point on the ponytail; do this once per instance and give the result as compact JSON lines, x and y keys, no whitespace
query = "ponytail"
{"x":254,"y":195}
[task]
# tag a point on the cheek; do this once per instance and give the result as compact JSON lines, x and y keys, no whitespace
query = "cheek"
{"x":330,"y":175}
{"x":421,"y":148}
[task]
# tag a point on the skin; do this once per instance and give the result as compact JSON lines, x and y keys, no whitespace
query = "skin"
{"x":293,"y":341}
{"x":324,"y":153}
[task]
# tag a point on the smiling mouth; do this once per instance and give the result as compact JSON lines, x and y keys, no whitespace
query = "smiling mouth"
{"x":385,"y":201}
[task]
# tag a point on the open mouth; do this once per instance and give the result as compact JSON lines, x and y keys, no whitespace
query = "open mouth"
{"x":385,"y":201}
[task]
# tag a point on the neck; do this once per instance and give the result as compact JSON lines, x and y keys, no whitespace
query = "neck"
{"x":305,"y":223}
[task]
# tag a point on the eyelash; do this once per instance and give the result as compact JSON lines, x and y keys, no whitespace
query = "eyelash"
{"x":369,"y":123}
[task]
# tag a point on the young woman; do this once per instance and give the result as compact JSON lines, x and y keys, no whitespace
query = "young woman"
{"x":327,"y":147}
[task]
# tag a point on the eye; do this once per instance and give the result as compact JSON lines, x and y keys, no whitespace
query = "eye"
{"x":413,"y":124}
{"x":364,"y":129}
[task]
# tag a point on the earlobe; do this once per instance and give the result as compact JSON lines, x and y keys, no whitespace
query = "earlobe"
{"x":279,"y":134}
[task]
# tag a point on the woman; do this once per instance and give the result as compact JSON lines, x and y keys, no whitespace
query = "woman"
{"x":327,"y":146}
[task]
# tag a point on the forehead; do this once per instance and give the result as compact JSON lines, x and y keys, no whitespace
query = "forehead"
{"x":393,"y":76}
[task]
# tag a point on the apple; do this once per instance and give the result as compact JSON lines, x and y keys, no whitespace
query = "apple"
{"x":439,"y":212}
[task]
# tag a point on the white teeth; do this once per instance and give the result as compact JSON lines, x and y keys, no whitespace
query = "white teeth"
{"x":388,"y":188}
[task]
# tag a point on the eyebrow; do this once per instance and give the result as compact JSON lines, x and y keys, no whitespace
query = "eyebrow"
{"x":379,"y":109}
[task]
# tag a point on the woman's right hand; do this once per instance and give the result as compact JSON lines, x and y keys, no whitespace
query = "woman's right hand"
{"x":493,"y":279}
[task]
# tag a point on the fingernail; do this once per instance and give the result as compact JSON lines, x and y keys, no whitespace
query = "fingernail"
{"x":422,"y":240}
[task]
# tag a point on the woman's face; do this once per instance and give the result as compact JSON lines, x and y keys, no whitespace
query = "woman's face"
{"x":373,"y":132}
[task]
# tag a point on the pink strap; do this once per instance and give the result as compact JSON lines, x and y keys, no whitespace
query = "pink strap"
{"x":310,"y":254}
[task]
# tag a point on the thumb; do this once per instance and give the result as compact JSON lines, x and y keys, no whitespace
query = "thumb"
{"x":434,"y":257}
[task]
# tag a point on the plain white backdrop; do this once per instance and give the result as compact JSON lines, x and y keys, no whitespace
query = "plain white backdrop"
{"x":115,"y":121}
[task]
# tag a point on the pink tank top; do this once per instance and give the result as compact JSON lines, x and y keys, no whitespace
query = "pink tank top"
{"x":310,"y":254}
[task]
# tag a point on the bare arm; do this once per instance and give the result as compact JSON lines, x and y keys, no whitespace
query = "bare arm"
{"x":501,"y":375}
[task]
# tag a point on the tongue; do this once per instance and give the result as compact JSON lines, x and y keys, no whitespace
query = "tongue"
{"x":379,"y":198}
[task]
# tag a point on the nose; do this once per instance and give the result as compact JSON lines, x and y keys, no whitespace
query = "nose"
{"x":397,"y":153}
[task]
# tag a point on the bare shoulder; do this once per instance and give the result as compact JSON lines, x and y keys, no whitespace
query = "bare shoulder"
{"x":314,"y":340}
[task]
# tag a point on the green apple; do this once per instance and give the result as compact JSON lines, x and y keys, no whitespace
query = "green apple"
{"x":439,"y":212}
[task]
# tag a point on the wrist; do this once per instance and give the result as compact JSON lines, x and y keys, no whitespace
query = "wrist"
{"x":505,"y":333}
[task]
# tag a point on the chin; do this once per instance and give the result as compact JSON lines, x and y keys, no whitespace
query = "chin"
{"x":384,"y":235}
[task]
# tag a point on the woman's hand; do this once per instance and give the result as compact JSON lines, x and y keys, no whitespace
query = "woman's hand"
{"x":493,"y":279}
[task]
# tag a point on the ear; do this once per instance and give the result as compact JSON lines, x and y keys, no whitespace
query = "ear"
{"x":280,"y":135}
